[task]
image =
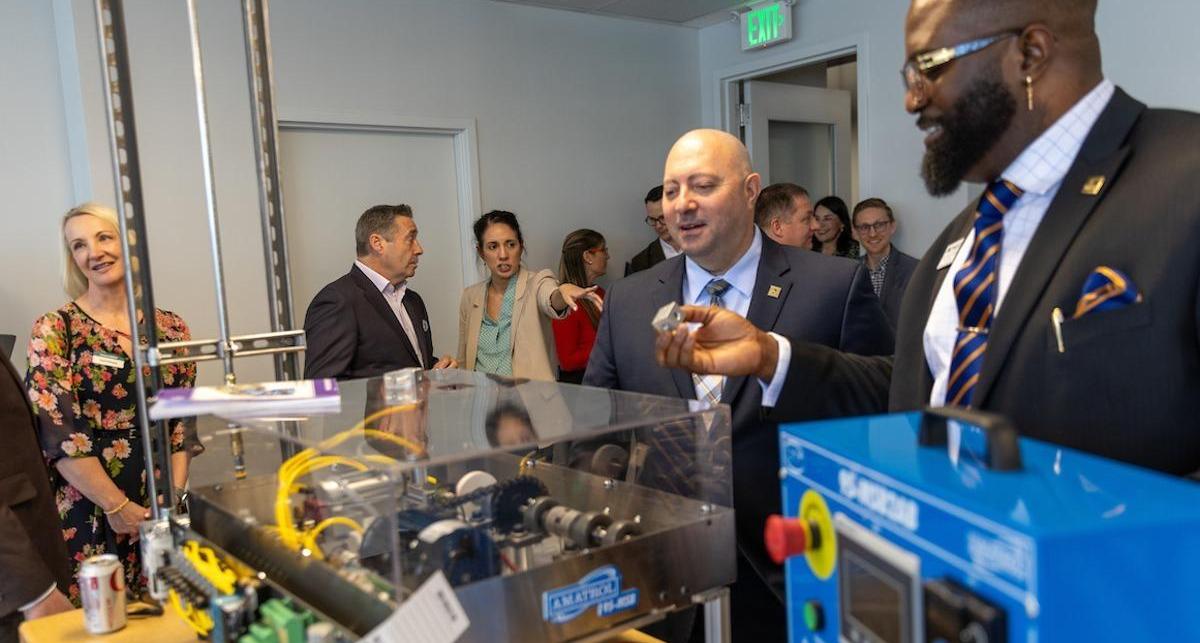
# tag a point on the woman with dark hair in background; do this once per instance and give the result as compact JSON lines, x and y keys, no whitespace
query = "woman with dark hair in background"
{"x":82,"y":383}
{"x":833,"y":235}
{"x":504,"y":320}
{"x":584,"y":260}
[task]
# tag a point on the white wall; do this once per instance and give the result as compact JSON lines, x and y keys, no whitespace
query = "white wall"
{"x":574,"y":115}
{"x":35,"y":176}
{"x":1148,"y":49}
{"x":575,"y":112}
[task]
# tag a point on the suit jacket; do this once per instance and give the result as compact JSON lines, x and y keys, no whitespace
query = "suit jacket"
{"x":650,"y":255}
{"x":532,"y":337}
{"x":827,"y":300}
{"x":352,"y":332}
{"x":32,"y":552}
{"x":899,"y":270}
{"x":1126,"y":385}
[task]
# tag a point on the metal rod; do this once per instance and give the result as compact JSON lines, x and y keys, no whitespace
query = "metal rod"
{"x":280,"y":350}
{"x":210,"y":195}
{"x":716,"y":617}
{"x":265,"y":128}
{"x":122,"y":138}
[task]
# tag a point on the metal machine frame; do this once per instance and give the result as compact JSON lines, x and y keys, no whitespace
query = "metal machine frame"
{"x":282,"y":342}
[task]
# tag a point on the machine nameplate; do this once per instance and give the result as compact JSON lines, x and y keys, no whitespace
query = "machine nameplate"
{"x":600,"y":588}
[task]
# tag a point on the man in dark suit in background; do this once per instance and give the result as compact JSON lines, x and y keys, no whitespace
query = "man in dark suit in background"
{"x":664,"y":247}
{"x":33,"y":555}
{"x":368,"y":322}
{"x":784,"y":212}
{"x":873,"y":225}
{"x":1076,"y":354}
{"x":709,"y":196}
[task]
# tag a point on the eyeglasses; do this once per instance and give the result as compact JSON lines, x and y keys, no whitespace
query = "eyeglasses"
{"x":916,"y":73}
{"x":877,"y":227}
{"x":654,"y":222}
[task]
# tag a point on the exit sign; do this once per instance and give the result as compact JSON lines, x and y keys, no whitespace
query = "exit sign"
{"x":766,"y":24}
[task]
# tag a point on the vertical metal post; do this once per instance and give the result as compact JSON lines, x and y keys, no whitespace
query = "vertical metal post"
{"x":270,"y":192}
{"x":716,"y":617}
{"x":210,"y":197}
{"x":265,"y":129}
{"x":122,"y":137}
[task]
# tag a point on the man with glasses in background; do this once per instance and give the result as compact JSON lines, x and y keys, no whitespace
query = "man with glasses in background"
{"x":662,"y":248}
{"x":1064,"y":298}
{"x":873,"y":225}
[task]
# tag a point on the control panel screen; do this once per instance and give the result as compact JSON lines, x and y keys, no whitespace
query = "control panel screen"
{"x":876,"y":596}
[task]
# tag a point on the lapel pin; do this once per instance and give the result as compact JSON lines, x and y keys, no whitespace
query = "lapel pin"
{"x":773,"y":292}
{"x":1093,"y":185}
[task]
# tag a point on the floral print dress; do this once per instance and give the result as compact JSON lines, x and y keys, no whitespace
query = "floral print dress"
{"x":83,"y":388}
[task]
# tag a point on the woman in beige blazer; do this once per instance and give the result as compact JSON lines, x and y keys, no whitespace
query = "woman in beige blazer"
{"x":504,"y":321}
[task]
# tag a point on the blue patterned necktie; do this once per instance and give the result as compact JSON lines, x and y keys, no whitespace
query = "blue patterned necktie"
{"x":975,"y":291}
{"x":708,"y":387}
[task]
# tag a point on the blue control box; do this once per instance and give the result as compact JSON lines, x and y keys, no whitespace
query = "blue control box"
{"x":892,"y":541}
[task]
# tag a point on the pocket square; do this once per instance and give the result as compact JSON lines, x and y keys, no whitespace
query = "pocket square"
{"x":1106,"y":289}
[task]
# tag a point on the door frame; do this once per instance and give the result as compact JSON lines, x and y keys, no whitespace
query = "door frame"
{"x":724,"y":98}
{"x":466,"y":159}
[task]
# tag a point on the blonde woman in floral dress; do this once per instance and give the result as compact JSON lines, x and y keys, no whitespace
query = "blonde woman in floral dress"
{"x":82,"y":384}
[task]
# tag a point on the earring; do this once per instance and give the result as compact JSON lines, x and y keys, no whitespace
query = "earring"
{"x":1029,"y":92}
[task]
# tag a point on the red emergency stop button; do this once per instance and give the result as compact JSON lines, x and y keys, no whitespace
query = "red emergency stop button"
{"x":786,"y":537}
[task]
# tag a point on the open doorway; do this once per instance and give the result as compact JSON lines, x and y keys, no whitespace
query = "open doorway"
{"x":800,"y":124}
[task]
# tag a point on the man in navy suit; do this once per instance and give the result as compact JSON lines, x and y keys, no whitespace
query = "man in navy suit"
{"x":368,"y":322}
{"x":709,"y":192}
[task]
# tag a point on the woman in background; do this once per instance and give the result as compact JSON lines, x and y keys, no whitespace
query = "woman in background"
{"x":82,"y":383}
{"x":504,"y":321}
{"x":833,"y":235}
{"x":584,"y":260}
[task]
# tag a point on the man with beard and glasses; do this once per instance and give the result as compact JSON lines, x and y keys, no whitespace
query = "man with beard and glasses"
{"x":1066,"y":297}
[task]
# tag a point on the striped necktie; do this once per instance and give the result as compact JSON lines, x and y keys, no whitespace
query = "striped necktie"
{"x":708,"y":387}
{"x":975,"y":291}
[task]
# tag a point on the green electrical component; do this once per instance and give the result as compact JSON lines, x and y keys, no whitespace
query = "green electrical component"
{"x":289,"y":624}
{"x":259,"y":633}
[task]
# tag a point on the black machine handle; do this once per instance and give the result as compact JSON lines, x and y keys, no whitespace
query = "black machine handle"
{"x":1003,"y":449}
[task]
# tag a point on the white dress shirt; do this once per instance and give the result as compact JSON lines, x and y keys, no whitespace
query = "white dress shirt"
{"x":394,"y":294}
{"x":1038,"y":171}
{"x":668,"y":251}
{"x":742,"y":276}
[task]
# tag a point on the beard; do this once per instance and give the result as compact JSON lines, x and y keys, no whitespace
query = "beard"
{"x":972,"y":127}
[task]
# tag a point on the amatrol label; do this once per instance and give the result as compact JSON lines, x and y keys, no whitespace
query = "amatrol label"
{"x":600,"y":588}
{"x":879,"y":499}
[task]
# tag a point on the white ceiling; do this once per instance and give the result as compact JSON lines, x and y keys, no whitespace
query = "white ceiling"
{"x":689,"y":12}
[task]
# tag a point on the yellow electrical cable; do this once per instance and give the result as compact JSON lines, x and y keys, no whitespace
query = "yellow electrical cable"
{"x":415,"y":448}
{"x":311,"y":459}
{"x":391,"y":410}
{"x":310,"y":537}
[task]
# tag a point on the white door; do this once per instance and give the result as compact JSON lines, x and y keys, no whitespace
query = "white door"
{"x":800,"y":135}
{"x":330,"y":176}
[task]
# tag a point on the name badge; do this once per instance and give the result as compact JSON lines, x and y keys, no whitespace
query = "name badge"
{"x":101,"y":358}
{"x":949,"y":254}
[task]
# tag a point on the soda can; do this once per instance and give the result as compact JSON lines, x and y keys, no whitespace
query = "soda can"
{"x":102,"y":591}
{"x":156,"y":542}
